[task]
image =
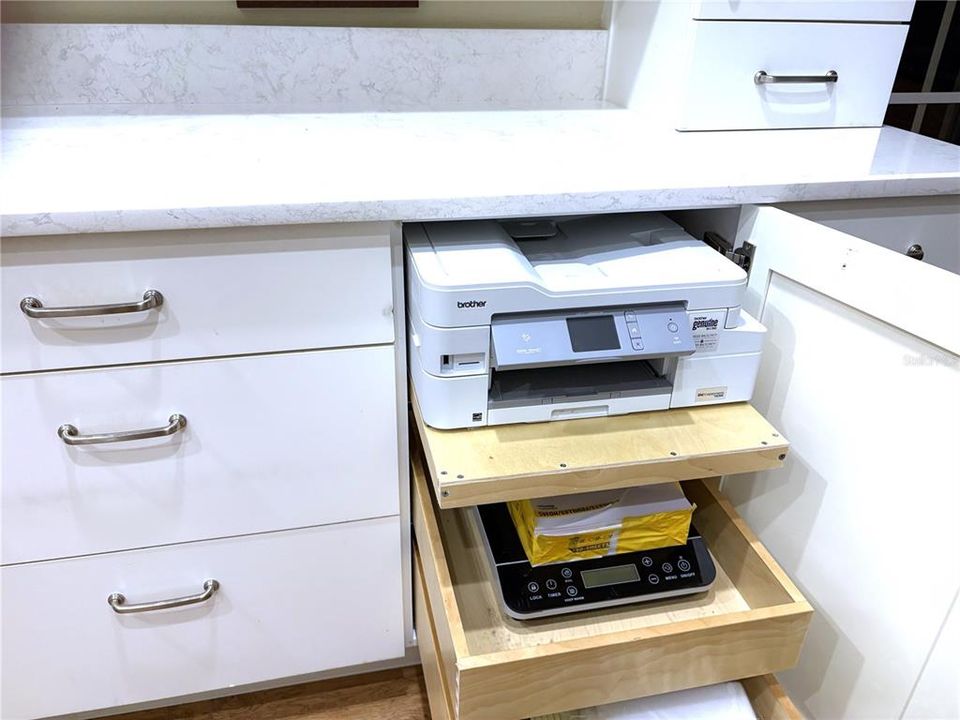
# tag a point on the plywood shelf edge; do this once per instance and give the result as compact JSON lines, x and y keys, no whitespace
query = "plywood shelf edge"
{"x":474,"y":466}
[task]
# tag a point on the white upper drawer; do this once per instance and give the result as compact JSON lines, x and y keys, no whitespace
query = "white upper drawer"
{"x":225,"y":292}
{"x":722,"y":92}
{"x":288,"y":603}
{"x":847,"y":10}
{"x":270,"y":442}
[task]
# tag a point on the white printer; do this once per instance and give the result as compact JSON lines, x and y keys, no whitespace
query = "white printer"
{"x":534,"y":320}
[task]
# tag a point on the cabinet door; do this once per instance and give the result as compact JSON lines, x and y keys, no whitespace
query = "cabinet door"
{"x":936,"y":691}
{"x":861,"y":372}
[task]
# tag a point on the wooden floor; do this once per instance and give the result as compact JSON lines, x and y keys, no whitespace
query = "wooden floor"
{"x":393,"y":694}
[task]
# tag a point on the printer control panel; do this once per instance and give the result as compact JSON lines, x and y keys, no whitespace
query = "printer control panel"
{"x":635,"y":316}
{"x":591,"y":335}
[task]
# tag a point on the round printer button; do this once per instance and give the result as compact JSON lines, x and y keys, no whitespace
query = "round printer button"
{"x":672,"y":327}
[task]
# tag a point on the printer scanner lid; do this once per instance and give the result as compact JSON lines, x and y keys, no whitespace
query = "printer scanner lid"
{"x":641,"y":257}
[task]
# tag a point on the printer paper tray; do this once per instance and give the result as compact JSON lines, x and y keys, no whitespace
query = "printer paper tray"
{"x":497,"y":463}
{"x":563,"y":383}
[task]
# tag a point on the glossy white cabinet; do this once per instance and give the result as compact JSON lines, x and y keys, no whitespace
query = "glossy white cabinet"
{"x":271,"y":384}
{"x":288,"y":603}
{"x":225,"y":292}
{"x":847,"y":71}
{"x":862,"y":373}
{"x":935,"y":694}
{"x":693,"y":65}
{"x":900,"y":224}
{"x":829,"y":10}
{"x":270,"y":442}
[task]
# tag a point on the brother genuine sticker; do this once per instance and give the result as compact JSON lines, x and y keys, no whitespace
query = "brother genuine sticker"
{"x":706,"y":328}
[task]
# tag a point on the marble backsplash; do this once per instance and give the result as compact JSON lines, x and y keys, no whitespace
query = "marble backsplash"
{"x":70,"y":69}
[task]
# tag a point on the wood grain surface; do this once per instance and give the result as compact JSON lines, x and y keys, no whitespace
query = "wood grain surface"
{"x":480,"y":465}
{"x":395,"y":694}
{"x":574,"y":661}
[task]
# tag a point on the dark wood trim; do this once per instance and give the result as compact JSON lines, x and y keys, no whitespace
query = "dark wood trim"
{"x":307,"y":4}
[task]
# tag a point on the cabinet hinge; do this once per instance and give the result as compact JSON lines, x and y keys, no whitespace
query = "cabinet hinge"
{"x":742,"y":256}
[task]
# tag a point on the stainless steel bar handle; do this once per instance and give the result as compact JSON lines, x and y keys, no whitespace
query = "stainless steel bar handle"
{"x":118,"y":601}
{"x":762,"y":78}
{"x":32,"y":307}
{"x":71,"y":436}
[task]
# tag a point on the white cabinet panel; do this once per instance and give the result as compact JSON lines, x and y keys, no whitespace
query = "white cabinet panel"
{"x":721,"y":93}
{"x":225,"y":292}
{"x":862,"y":373}
{"x":937,"y":693}
{"x":271,"y":442}
{"x":845,"y":10}
{"x":289,"y":603}
{"x":895,"y":223}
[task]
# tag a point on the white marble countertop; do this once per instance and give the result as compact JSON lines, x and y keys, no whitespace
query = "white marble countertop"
{"x":151,"y":172}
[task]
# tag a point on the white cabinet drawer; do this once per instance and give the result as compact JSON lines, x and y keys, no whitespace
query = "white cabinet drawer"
{"x":271,"y":442}
{"x":722,"y":93}
{"x":289,"y":603}
{"x":837,"y":10}
{"x":225,"y":292}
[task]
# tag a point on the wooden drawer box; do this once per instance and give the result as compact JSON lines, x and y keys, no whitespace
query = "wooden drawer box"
{"x":224,"y":292}
{"x":722,"y":92}
{"x":288,"y":603}
{"x":270,"y":442}
{"x":751,"y":622}
{"x":768,"y":698}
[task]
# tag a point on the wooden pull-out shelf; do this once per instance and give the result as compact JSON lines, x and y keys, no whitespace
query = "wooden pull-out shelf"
{"x":513,"y":462}
{"x":491,"y":667}
{"x":768,"y":698}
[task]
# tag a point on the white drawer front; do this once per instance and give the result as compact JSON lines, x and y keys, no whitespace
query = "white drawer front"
{"x":289,"y":603}
{"x":225,"y":292}
{"x":722,"y":94}
{"x":846,"y":10}
{"x":271,"y":442}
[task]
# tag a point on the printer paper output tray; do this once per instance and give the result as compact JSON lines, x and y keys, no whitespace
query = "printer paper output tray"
{"x":566,"y":383}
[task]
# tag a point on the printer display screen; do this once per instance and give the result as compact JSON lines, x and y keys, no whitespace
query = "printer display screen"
{"x":597,"y":332}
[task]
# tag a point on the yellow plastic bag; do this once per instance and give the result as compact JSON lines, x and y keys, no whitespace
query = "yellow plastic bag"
{"x":588,"y":525}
